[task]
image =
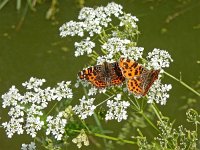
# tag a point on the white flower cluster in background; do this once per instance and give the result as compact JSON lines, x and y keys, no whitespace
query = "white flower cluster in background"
{"x":158,"y":92}
{"x":158,"y":59}
{"x":86,"y":107}
{"x":92,"y":20}
{"x":117,"y":109}
{"x":84,"y":46}
{"x":30,"y":146}
{"x":133,"y":53}
{"x":26,"y":110}
{"x":56,"y":126}
{"x":119,"y":46}
{"x":92,"y":91}
{"x":128,"y":19}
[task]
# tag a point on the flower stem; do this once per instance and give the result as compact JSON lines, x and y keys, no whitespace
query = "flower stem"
{"x":149,"y":121}
{"x":51,"y":109}
{"x":108,"y":137}
{"x":100,"y":127}
{"x":105,"y":100}
{"x":113,"y":138}
{"x":183,"y":83}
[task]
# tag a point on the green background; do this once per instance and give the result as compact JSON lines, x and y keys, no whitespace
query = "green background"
{"x":33,"y":47}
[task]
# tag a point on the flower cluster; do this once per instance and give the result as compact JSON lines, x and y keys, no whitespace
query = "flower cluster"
{"x":158,"y":92}
{"x":84,"y":46}
{"x":30,"y":146}
{"x":123,"y":47}
{"x":33,"y":83}
{"x":56,"y":126}
{"x":128,"y":19}
{"x":117,"y":109}
{"x":86,"y":107}
{"x":92,"y":20}
{"x":26,"y":110}
{"x":158,"y":59}
{"x":82,"y":137}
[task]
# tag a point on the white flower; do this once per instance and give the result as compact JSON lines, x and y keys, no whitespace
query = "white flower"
{"x":117,"y":109}
{"x":33,"y":83}
{"x":92,"y":20}
{"x":72,"y":28}
{"x":108,"y":58}
{"x":13,"y":126}
{"x":84,"y":46}
{"x":113,"y":8}
{"x":16,"y":111}
{"x":133,"y":53}
{"x":92,"y":91}
{"x":26,"y":110}
{"x":114,"y":45}
{"x":118,"y":97}
{"x":128,"y":19}
{"x":158,"y":59}
{"x":86,"y":12}
{"x":30,"y":146}
{"x":102,"y":90}
{"x":56,"y":126}
{"x":34,"y":110}
{"x":11,"y":97}
{"x":63,"y":90}
{"x":158,"y":92}
{"x":85,"y":109}
{"x":33,"y":124}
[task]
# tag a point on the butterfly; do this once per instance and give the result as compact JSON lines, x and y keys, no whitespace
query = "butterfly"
{"x":104,"y":75}
{"x":139,"y":79}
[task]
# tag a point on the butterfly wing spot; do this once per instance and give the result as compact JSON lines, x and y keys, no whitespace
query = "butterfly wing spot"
{"x":118,"y":81}
{"x":129,"y":74}
{"x":134,"y":86}
{"x":99,"y":84}
{"x":129,"y":68}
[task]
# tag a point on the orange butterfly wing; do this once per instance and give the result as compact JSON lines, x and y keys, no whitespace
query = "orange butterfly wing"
{"x":91,"y":74}
{"x":139,"y":78}
{"x":130,"y":68}
{"x":134,"y":85}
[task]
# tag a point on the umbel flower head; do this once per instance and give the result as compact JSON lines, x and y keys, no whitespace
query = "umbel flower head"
{"x":26,"y":109}
{"x":116,"y":40}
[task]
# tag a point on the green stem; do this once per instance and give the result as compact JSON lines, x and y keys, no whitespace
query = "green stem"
{"x":105,"y":100}
{"x":109,"y":137}
{"x":156,"y":111}
{"x":3,"y":3}
{"x":100,"y":127}
{"x":51,"y":108}
{"x":183,"y":83}
{"x":149,"y":121}
{"x":113,"y":138}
